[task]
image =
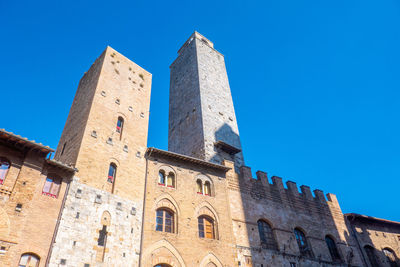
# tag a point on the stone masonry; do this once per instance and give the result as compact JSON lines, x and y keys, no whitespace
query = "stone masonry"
{"x":201,"y":107}
{"x":76,"y":240}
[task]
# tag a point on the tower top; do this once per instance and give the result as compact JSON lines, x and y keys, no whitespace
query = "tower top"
{"x":196,"y":35}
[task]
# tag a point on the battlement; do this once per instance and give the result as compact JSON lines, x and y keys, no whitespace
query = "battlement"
{"x":273,"y":188}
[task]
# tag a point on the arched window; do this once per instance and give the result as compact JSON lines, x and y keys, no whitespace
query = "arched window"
{"x":52,"y":186}
{"x":164,"y":220}
{"x":162,"y":265}
{"x":390,"y":256}
{"x":161,"y":178}
{"x":302,"y":242}
{"x":112,"y":172}
{"x":120,"y":126}
{"x":370,"y":251}
{"x":4,"y":167}
{"x":206,"y":227}
{"x":207,"y":188}
{"x":332,"y":248}
{"x":171,"y":180}
{"x":29,"y":260}
{"x":199,"y":187}
{"x":266,"y":236}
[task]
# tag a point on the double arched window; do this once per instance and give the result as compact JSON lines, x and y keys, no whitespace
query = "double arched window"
{"x":52,"y":186}
{"x":206,"y":227}
{"x":391,"y":257}
{"x":332,"y":248}
{"x":165,"y":220}
{"x":266,"y":236}
{"x":112,"y":173}
{"x":304,"y":248}
{"x":4,"y":167}
{"x":370,"y":251}
{"x":29,"y":260}
{"x":203,"y":188}
{"x":166,"y":180}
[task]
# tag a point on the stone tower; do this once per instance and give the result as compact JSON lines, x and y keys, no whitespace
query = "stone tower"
{"x":202,"y":121}
{"x":105,"y":138}
{"x":114,"y":91}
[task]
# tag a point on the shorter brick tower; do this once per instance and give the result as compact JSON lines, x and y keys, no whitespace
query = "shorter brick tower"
{"x":105,"y":138}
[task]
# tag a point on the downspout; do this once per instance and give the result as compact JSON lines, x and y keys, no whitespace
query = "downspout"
{"x":58,"y":222}
{"x":353,"y":231}
{"x":144,"y":202}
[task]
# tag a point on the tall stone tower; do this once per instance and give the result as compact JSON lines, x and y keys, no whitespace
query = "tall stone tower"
{"x":108,"y":124}
{"x":202,"y":121}
{"x":105,"y":138}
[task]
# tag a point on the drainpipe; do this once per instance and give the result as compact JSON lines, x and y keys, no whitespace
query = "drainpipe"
{"x":58,"y":222}
{"x":353,"y":231}
{"x":144,"y":202}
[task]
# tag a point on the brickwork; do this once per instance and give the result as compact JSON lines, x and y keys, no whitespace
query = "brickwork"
{"x":184,"y":247}
{"x":30,"y":228}
{"x":378,"y":234}
{"x":113,"y":87}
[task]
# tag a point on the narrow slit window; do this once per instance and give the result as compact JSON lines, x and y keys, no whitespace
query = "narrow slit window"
{"x":161,"y":178}
{"x":171,"y":180}
{"x":4,"y":167}
{"x":199,"y":187}
{"x":207,"y":189}
{"x":120,"y":125}
{"x":112,"y":171}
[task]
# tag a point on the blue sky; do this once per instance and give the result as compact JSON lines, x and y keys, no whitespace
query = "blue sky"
{"x":315,"y":83}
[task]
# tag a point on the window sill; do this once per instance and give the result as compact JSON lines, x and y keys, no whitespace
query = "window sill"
{"x":49,"y":195}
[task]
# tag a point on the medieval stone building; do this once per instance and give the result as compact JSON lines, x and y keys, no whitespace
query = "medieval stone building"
{"x":106,"y":199}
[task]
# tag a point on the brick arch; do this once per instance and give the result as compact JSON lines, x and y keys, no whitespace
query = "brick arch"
{"x":4,"y":223}
{"x":162,"y":252}
{"x":206,"y":208}
{"x":210,"y":260}
{"x":166,"y":200}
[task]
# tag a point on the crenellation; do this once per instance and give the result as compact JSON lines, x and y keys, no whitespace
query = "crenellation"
{"x":263,"y":177}
{"x":319,"y":195}
{"x":292,"y":188}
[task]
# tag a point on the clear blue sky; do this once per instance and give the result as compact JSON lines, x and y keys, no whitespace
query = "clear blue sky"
{"x":315,"y":83}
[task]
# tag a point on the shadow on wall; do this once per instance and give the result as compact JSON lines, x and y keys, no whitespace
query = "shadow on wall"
{"x":377,"y":239}
{"x":276,"y":225}
{"x":228,"y":148}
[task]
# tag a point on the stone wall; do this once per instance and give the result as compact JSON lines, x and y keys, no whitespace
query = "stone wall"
{"x":201,"y":106}
{"x":284,"y":209}
{"x":76,"y":242}
{"x":380,"y":235}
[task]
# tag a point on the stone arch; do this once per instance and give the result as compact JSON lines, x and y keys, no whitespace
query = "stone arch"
{"x":205,"y":179}
{"x":4,"y":223}
{"x":210,"y":260}
{"x":168,"y":171}
{"x":106,"y":218}
{"x":162,"y":252}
